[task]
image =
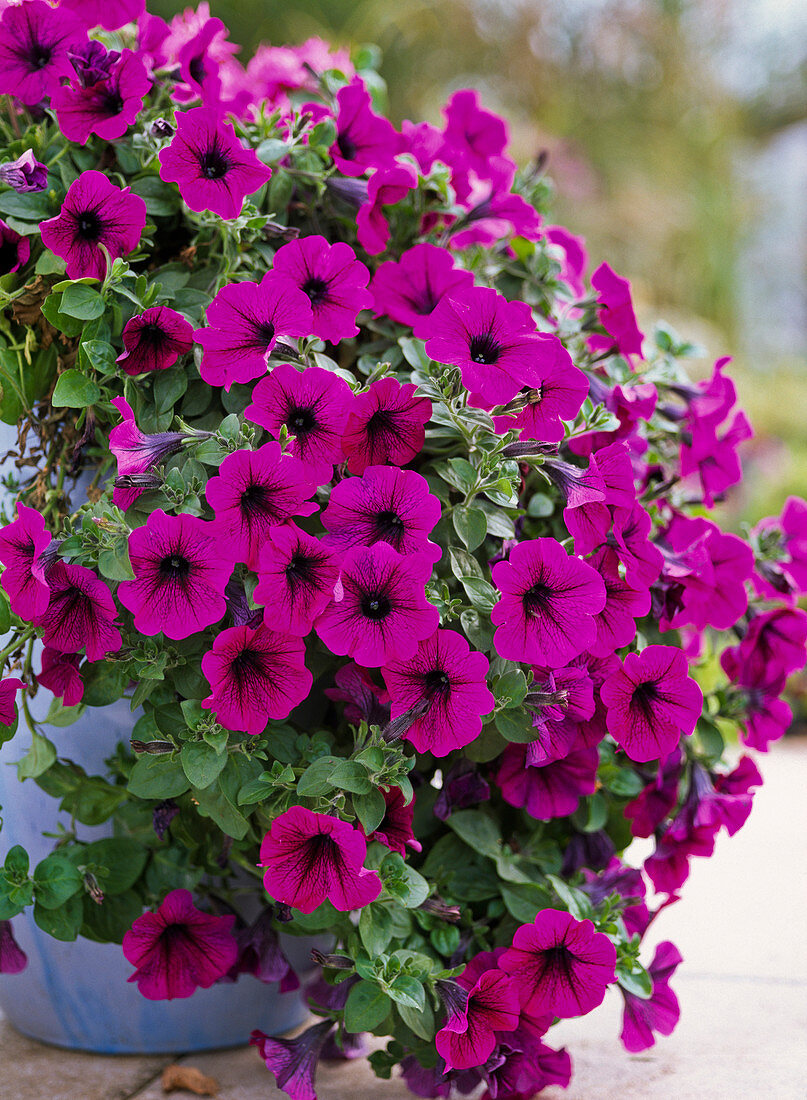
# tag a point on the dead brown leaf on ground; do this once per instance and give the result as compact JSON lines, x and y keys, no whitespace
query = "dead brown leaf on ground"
{"x":189,"y":1078}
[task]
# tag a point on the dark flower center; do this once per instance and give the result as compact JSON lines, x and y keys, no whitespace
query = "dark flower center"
{"x":559,"y":960}
{"x":9,"y":256}
{"x":300,"y":570}
{"x":346,"y":145}
{"x":382,"y":421}
{"x":316,"y":289}
{"x":375,"y":606}
{"x":89,"y":225}
{"x":390,"y":527}
{"x":300,"y":420}
{"x":264,"y":334}
{"x":197,"y":69}
{"x":152,"y":335}
{"x":644,"y":696}
{"x":214,"y":164}
{"x":255,"y":500}
{"x":112,"y":101}
{"x":437,"y":682}
{"x":536,"y":599}
{"x":175,"y":935}
{"x":175,"y":567}
{"x":246,"y":665}
{"x":484,"y":349}
{"x":40,"y":55}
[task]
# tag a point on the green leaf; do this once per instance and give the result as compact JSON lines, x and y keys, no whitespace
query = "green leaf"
{"x":621,"y":781}
{"x":201,"y":762}
{"x":62,"y":923}
{"x":370,"y":809}
{"x":523,"y":901}
{"x":464,"y":564}
{"x":578,"y":903}
{"x":516,"y":725}
{"x":171,"y":869}
{"x":635,"y":980}
{"x":17,"y":862}
{"x":31,"y":206}
{"x":96,"y":800}
{"x":471,"y":525}
{"x":55,"y":880}
{"x":104,"y":682}
{"x":38,"y":759}
{"x":479,"y":831}
{"x":82,"y":302}
{"x":408,"y":991}
{"x":214,"y":803}
{"x":421,"y":1021}
{"x":511,"y":688}
{"x":169,"y":386}
{"x":272,"y":150}
{"x":375,"y":928}
{"x":111,"y":920}
{"x":316,"y":779}
{"x":121,"y":858}
{"x":157,"y":777}
{"x":367,"y":1006}
{"x":74,"y":390}
{"x":161,"y":199}
{"x":481,"y":594}
{"x":114,"y":564}
{"x":63,"y":322}
{"x":351,"y":776}
{"x":5,"y":613}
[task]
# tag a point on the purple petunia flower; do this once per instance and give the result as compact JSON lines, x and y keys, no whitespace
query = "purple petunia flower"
{"x":25,"y":173}
{"x":8,"y":690}
{"x":387,"y":186}
{"x":408,"y":290}
{"x":551,"y":790}
{"x":15,"y":249}
{"x":546,"y":614}
{"x":492,"y":1007}
{"x":255,"y":676}
{"x":61,"y":676}
{"x":660,"y":1012}
{"x":463,"y":786}
{"x":560,"y":965}
{"x":494,"y":342}
{"x":13,"y":959}
{"x":574,"y":258}
{"x":616,"y":312}
{"x":81,"y":613}
{"x":313,"y":404}
{"x":334,"y":281}
{"x":94,"y":212}
{"x":385,"y":425}
{"x":766,"y":717}
{"x":294,"y":1061}
{"x":136,"y":452}
{"x":448,"y":678}
{"x":363,"y":139}
{"x":34,"y":46}
{"x":22,"y":544}
{"x":181,"y":572}
{"x":106,"y":107}
{"x":555,"y":392}
{"x":791,"y":567}
{"x":154,"y":340}
{"x":395,"y":828}
{"x":260,"y":954}
{"x":253,"y":491}
{"x":616,"y":625}
{"x":379,"y":611}
{"x":244,"y":322}
{"x":212,"y":168}
{"x":363,"y":698}
{"x":310,"y":857}
{"x":773,"y":646}
{"x":384,"y":504}
{"x":179,"y":949}
{"x":651,"y":702}
{"x":296,"y":578}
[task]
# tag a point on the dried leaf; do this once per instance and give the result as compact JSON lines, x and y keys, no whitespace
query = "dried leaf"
{"x":188,"y":1077}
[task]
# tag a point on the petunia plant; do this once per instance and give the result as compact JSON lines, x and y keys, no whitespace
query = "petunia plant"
{"x":391,"y":528}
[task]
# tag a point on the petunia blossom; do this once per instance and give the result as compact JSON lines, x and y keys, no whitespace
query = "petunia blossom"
{"x":253,"y":491}
{"x":13,"y":959}
{"x":549,"y":790}
{"x":651,"y":702}
{"x":363,"y":138}
{"x":561,"y":966}
{"x":491,"y":340}
{"x":8,"y":691}
{"x":659,"y":1012}
{"x":109,"y":14}
{"x":212,"y":168}
{"x":94,"y":212}
{"x":554,"y":392}
{"x":181,"y":569}
{"x":408,"y":290}
{"x":179,"y":949}
{"x":107,"y":106}
{"x":492,"y":1007}
{"x":546,"y":613}
{"x":154,"y":340}
{"x":34,"y":49}
{"x":60,"y":675}
{"x":385,"y":504}
{"x":22,"y":544}
{"x":80,"y":614}
{"x":379,"y":611}
{"x":334,"y":281}
{"x":313,"y":405}
{"x":25,"y":174}
{"x":294,"y":1061}
{"x":387,"y":187}
{"x":296,"y":577}
{"x":385,"y":425}
{"x":255,"y":676}
{"x":15,"y":250}
{"x":136,"y":452}
{"x":309,"y":857}
{"x":446,"y":678}
{"x":394,"y":830}
{"x":244,"y":322}
{"x":616,"y":311}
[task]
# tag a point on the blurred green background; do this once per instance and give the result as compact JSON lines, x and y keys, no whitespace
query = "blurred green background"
{"x":677,"y":140}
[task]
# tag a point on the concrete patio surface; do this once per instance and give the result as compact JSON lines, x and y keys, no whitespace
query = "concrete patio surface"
{"x":742,"y":989}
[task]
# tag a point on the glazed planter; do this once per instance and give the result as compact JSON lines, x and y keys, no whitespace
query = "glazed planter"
{"x":76,"y":994}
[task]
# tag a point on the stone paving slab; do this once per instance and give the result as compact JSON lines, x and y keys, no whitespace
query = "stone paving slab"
{"x":742,"y":989}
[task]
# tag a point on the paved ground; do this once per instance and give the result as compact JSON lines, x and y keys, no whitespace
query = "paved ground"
{"x":742,"y":988}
